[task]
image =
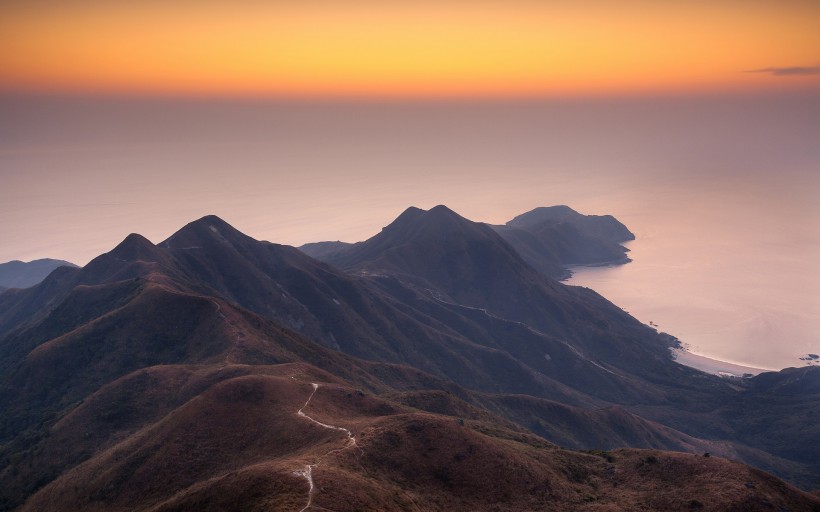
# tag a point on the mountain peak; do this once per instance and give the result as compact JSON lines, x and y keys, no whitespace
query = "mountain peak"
{"x":442,"y":219}
{"x":211,"y":219}
{"x":541,"y":214}
{"x":416,"y":223}
{"x":211,"y":222}
{"x":604,"y":227}
{"x":451,"y":253}
{"x":204,"y":231}
{"x":407,"y":217}
{"x":442,"y":210}
{"x":134,"y":247}
{"x":411,"y":212}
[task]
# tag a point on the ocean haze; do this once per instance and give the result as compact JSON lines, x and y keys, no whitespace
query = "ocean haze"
{"x":722,"y":192}
{"x":726,"y":268}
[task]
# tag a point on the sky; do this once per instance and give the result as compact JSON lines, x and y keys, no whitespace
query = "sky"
{"x":143,"y":115}
{"x":695,"y":122}
{"x":403,"y":48}
{"x":140,"y":116}
{"x":78,"y":174}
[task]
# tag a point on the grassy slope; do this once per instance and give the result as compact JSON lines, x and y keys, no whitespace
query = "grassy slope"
{"x":121,"y":355}
{"x":238,"y":444}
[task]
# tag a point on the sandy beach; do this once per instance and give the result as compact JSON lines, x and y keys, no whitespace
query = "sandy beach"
{"x":714,"y":366}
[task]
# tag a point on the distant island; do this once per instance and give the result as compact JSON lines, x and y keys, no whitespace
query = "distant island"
{"x":19,"y":274}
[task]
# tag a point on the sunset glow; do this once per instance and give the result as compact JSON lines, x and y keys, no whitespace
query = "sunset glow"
{"x":406,"y":49}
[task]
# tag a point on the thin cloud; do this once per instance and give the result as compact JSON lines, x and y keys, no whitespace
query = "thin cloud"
{"x":788,"y":71}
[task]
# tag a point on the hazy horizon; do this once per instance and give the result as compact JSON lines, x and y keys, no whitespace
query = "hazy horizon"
{"x":81,"y":173}
{"x":724,"y":191}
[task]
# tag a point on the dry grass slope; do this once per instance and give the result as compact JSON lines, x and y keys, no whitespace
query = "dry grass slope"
{"x":239,"y":444}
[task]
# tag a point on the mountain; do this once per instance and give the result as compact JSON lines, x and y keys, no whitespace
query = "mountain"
{"x":171,"y":377}
{"x":18,"y":274}
{"x":463,"y":264}
{"x":548,"y":238}
{"x":241,"y":443}
{"x":325,"y":251}
{"x":551,"y":238}
{"x":604,"y":227}
{"x":468,"y":267}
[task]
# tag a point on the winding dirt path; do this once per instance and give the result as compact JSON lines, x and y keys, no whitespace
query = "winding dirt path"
{"x":219,"y":309}
{"x":307,"y":472}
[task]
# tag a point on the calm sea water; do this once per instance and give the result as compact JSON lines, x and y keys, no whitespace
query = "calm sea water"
{"x":722,"y":192}
{"x":730,"y":270}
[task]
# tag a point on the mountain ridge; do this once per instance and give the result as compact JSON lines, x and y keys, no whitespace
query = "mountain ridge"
{"x":19,"y":274}
{"x":139,"y":322}
{"x":555,"y":237}
{"x":548,"y":238}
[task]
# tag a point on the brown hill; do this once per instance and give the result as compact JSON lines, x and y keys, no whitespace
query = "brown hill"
{"x":241,"y":444}
{"x":113,"y":373}
{"x":328,"y":306}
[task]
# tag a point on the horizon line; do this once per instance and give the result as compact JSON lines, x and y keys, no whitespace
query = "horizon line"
{"x":366,"y":98}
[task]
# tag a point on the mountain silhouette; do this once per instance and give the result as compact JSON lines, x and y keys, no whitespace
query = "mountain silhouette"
{"x":18,"y":274}
{"x":605,"y":227}
{"x":548,"y":238}
{"x":426,"y":362}
{"x":552,"y":238}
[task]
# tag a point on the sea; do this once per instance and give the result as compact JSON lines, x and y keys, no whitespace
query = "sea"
{"x":722,"y":191}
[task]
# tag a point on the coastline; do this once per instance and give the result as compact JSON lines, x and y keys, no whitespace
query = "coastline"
{"x":569,"y":267}
{"x":679,"y":353}
{"x":713,"y":366}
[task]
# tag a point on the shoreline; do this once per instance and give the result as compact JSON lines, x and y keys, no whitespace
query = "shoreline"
{"x":569,"y":267}
{"x":714,"y":366}
{"x":679,"y":353}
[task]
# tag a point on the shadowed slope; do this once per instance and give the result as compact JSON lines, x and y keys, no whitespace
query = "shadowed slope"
{"x":461,"y":262}
{"x":550,"y":238}
{"x":445,"y":256}
{"x":144,"y":331}
{"x":240,"y":443}
{"x":604,"y":227}
{"x":325,"y":251}
{"x":210,"y":258}
{"x":243,"y":422}
{"x":551,"y":249}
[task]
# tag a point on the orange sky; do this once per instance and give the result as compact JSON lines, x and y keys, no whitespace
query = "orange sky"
{"x":408,"y":48}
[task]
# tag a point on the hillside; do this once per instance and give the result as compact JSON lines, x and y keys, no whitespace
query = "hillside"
{"x":278,"y":439}
{"x":552,"y":238}
{"x":549,"y":239}
{"x":604,"y":227}
{"x":170,"y":376}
